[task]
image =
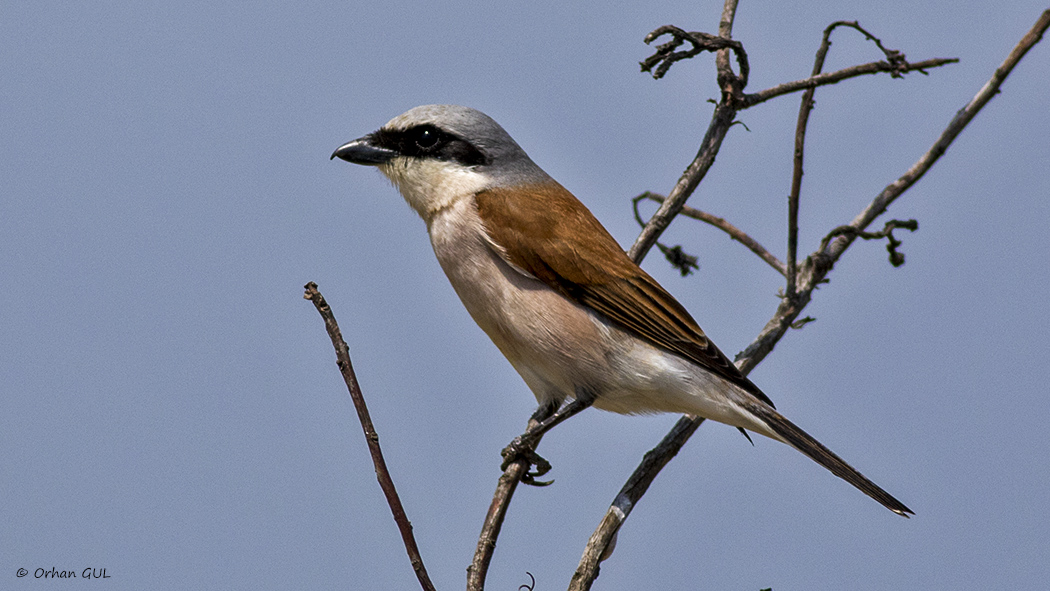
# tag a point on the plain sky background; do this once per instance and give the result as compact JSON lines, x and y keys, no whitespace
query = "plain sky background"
{"x":170,"y":406}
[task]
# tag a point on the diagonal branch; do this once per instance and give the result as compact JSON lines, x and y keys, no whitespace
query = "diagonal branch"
{"x":820,"y":263}
{"x":342,"y":353}
{"x":957,"y":124}
{"x":721,"y":120}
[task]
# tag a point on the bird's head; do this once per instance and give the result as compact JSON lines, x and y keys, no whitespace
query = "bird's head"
{"x":436,"y":154}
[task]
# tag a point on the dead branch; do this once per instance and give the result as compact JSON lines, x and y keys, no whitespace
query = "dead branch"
{"x":342,"y":353}
{"x":898,"y":64}
{"x":896,"y":257}
{"x":750,"y":100}
{"x":490,"y":530}
{"x":666,"y":55}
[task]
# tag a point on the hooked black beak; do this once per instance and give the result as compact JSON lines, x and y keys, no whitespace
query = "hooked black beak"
{"x":363,"y":151}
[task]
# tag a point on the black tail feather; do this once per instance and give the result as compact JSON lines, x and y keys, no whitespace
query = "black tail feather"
{"x":806,"y":444}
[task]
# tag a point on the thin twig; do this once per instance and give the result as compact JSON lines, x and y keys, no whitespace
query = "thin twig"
{"x":721,"y":120}
{"x":897,"y":65}
{"x":894,"y":58}
{"x":896,"y":257}
{"x":812,"y":275}
{"x":342,"y":353}
{"x":750,"y":100}
{"x":957,"y":124}
{"x":720,"y":223}
{"x":666,"y":55}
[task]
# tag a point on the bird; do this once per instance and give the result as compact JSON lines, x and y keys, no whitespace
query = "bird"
{"x":576,"y":317}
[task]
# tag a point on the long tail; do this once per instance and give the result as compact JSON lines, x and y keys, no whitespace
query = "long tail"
{"x":806,"y":444}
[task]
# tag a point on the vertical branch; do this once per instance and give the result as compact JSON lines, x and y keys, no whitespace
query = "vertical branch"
{"x":896,"y":59}
{"x":342,"y":353}
{"x":796,"y":176}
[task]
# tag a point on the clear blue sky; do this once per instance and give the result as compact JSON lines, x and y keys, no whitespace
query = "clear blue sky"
{"x":170,"y":406}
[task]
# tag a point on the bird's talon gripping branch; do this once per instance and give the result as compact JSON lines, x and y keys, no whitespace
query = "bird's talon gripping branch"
{"x":519,"y":450}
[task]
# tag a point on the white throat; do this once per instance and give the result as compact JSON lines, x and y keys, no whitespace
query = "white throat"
{"x":431,"y":186}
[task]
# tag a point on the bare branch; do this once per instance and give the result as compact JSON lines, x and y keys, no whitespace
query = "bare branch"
{"x":508,"y":483}
{"x":342,"y":353}
{"x":597,"y":548}
{"x":694,"y":173}
{"x":750,"y":100}
{"x":957,"y":124}
{"x":734,"y":99}
{"x":720,"y":223}
{"x":666,"y":55}
{"x":721,"y":120}
{"x":894,"y":59}
{"x":893,"y":56}
{"x":519,"y":457}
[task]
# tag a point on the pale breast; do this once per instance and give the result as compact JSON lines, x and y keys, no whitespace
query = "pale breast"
{"x":555,"y":344}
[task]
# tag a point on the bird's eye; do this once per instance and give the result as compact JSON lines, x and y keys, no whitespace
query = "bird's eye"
{"x":426,"y":138}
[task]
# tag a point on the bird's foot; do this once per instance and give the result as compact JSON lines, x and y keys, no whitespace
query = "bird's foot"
{"x":521,"y":450}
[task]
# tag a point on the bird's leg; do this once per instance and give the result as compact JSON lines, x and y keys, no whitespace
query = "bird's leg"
{"x":546,"y":417}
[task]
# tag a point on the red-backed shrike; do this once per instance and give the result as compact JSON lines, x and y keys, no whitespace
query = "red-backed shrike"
{"x":554,"y":291}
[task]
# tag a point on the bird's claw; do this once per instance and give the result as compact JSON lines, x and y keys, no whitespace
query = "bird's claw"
{"x":520,"y":451}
